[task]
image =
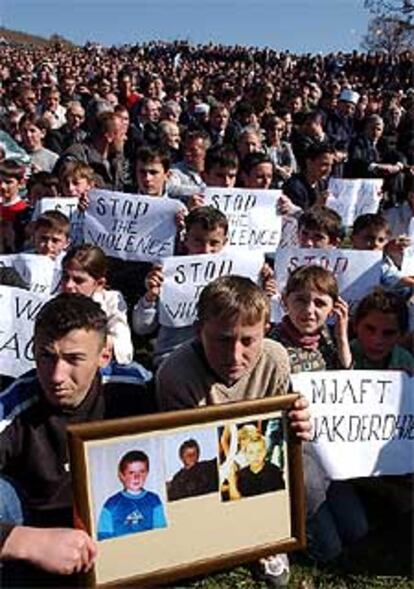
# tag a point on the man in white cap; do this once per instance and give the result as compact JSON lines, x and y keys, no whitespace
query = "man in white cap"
{"x":340,"y":124}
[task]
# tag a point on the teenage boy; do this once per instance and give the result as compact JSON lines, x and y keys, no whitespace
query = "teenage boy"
{"x":231,"y":360}
{"x":320,"y":227}
{"x":13,"y":209}
{"x":33,"y":129}
{"x":257,"y":171}
{"x":134,"y":509}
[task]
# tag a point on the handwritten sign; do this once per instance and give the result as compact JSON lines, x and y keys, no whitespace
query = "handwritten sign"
{"x":68,"y":205}
{"x":407,"y":266}
{"x":131,"y":227}
{"x":363,"y":421}
{"x":356,"y":272}
{"x":352,"y":198}
{"x":16,"y":329}
{"x":186,"y":276}
{"x":253,"y":220}
{"x":40,"y":273}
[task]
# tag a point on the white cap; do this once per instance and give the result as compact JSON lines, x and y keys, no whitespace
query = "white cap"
{"x":202,"y":109}
{"x":348,"y":95}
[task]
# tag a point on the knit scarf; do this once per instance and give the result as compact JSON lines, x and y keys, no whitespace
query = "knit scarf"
{"x":307,"y":342}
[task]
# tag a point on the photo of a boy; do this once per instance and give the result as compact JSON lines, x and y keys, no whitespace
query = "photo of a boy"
{"x":256,"y":475}
{"x":134,"y":509}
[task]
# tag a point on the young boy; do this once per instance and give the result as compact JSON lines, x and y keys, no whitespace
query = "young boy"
{"x":134,"y":509}
{"x":381,"y":319}
{"x":76,"y":179}
{"x":372,"y":232}
{"x":51,"y":234}
{"x":259,"y":476}
{"x":320,"y":227}
{"x":221,"y":167}
{"x":257,"y":171}
{"x":13,"y":207}
{"x":152,"y":171}
{"x":206,"y":233}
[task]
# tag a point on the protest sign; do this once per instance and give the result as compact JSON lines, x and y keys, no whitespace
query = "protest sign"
{"x":68,"y":205}
{"x":253,"y":220}
{"x":357,"y":272}
{"x":352,"y":198}
{"x":16,"y":329}
{"x":131,"y":227}
{"x":289,"y":236}
{"x":40,"y":273}
{"x":363,"y":421}
{"x":407,"y":266}
{"x":186,"y":276}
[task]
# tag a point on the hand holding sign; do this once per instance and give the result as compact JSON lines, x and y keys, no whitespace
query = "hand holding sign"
{"x":153,"y":283}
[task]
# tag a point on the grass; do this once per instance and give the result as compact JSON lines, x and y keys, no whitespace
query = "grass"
{"x":302,"y":577}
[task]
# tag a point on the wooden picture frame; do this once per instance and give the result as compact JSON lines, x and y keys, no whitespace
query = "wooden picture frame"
{"x":222,"y":520}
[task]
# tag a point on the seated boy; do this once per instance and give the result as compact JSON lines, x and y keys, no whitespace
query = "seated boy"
{"x":320,"y":227}
{"x":12,"y":206}
{"x":76,"y":179}
{"x":134,"y":509}
{"x":372,"y":232}
{"x":206,"y":233}
{"x":257,"y":171}
{"x":221,"y":167}
{"x":51,"y":232}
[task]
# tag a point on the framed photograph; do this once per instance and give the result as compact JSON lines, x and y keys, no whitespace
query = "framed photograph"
{"x":174,"y":495}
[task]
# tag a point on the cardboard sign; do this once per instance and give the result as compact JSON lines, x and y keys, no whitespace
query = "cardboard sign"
{"x":68,"y":205}
{"x":40,"y":273}
{"x":363,"y":421}
{"x":131,"y":227}
{"x":253,"y":220}
{"x":407,"y":266}
{"x":186,"y":276}
{"x":352,"y":198}
{"x":16,"y":329}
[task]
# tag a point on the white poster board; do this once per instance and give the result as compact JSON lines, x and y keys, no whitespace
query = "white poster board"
{"x":351,"y":198}
{"x":186,"y":276}
{"x":362,"y":420}
{"x":40,"y":273}
{"x":407,"y":266}
{"x":16,"y":329}
{"x":254,"y":223}
{"x":131,"y":227}
{"x":68,"y":205}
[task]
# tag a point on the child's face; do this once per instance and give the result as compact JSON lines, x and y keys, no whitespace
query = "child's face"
{"x":189,"y":457}
{"x":260,"y":177}
{"x":75,"y":186}
{"x":378,"y":333}
{"x":308,"y":310}
{"x":315,"y":238}
{"x":9,"y":188}
{"x":80,"y":282}
{"x":255,"y":453}
{"x":32,"y":136}
{"x":222,"y":177}
{"x":151,"y":178}
{"x":133,"y":476}
{"x":202,"y":241}
{"x":370,"y":239}
{"x":50,"y":243}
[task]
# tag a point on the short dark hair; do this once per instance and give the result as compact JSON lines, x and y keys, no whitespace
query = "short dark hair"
{"x":232,"y":298}
{"x":312,"y":277}
{"x":68,"y":311}
{"x":133,"y":456}
{"x":221,"y":156}
{"x":88,"y":258}
{"x":251,"y":160}
{"x":46,"y":179}
{"x":208,"y":217}
{"x":321,"y":218}
{"x":315,"y":151}
{"x":374,"y":221}
{"x":12,"y":169}
{"x":384,"y":301}
{"x":53,"y":221}
{"x":147,"y":155}
{"x":191,"y":443}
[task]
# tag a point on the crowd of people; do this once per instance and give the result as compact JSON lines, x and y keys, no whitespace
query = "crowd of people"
{"x":168,"y":120}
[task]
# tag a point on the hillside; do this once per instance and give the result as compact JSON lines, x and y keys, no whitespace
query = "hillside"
{"x":21,"y":38}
